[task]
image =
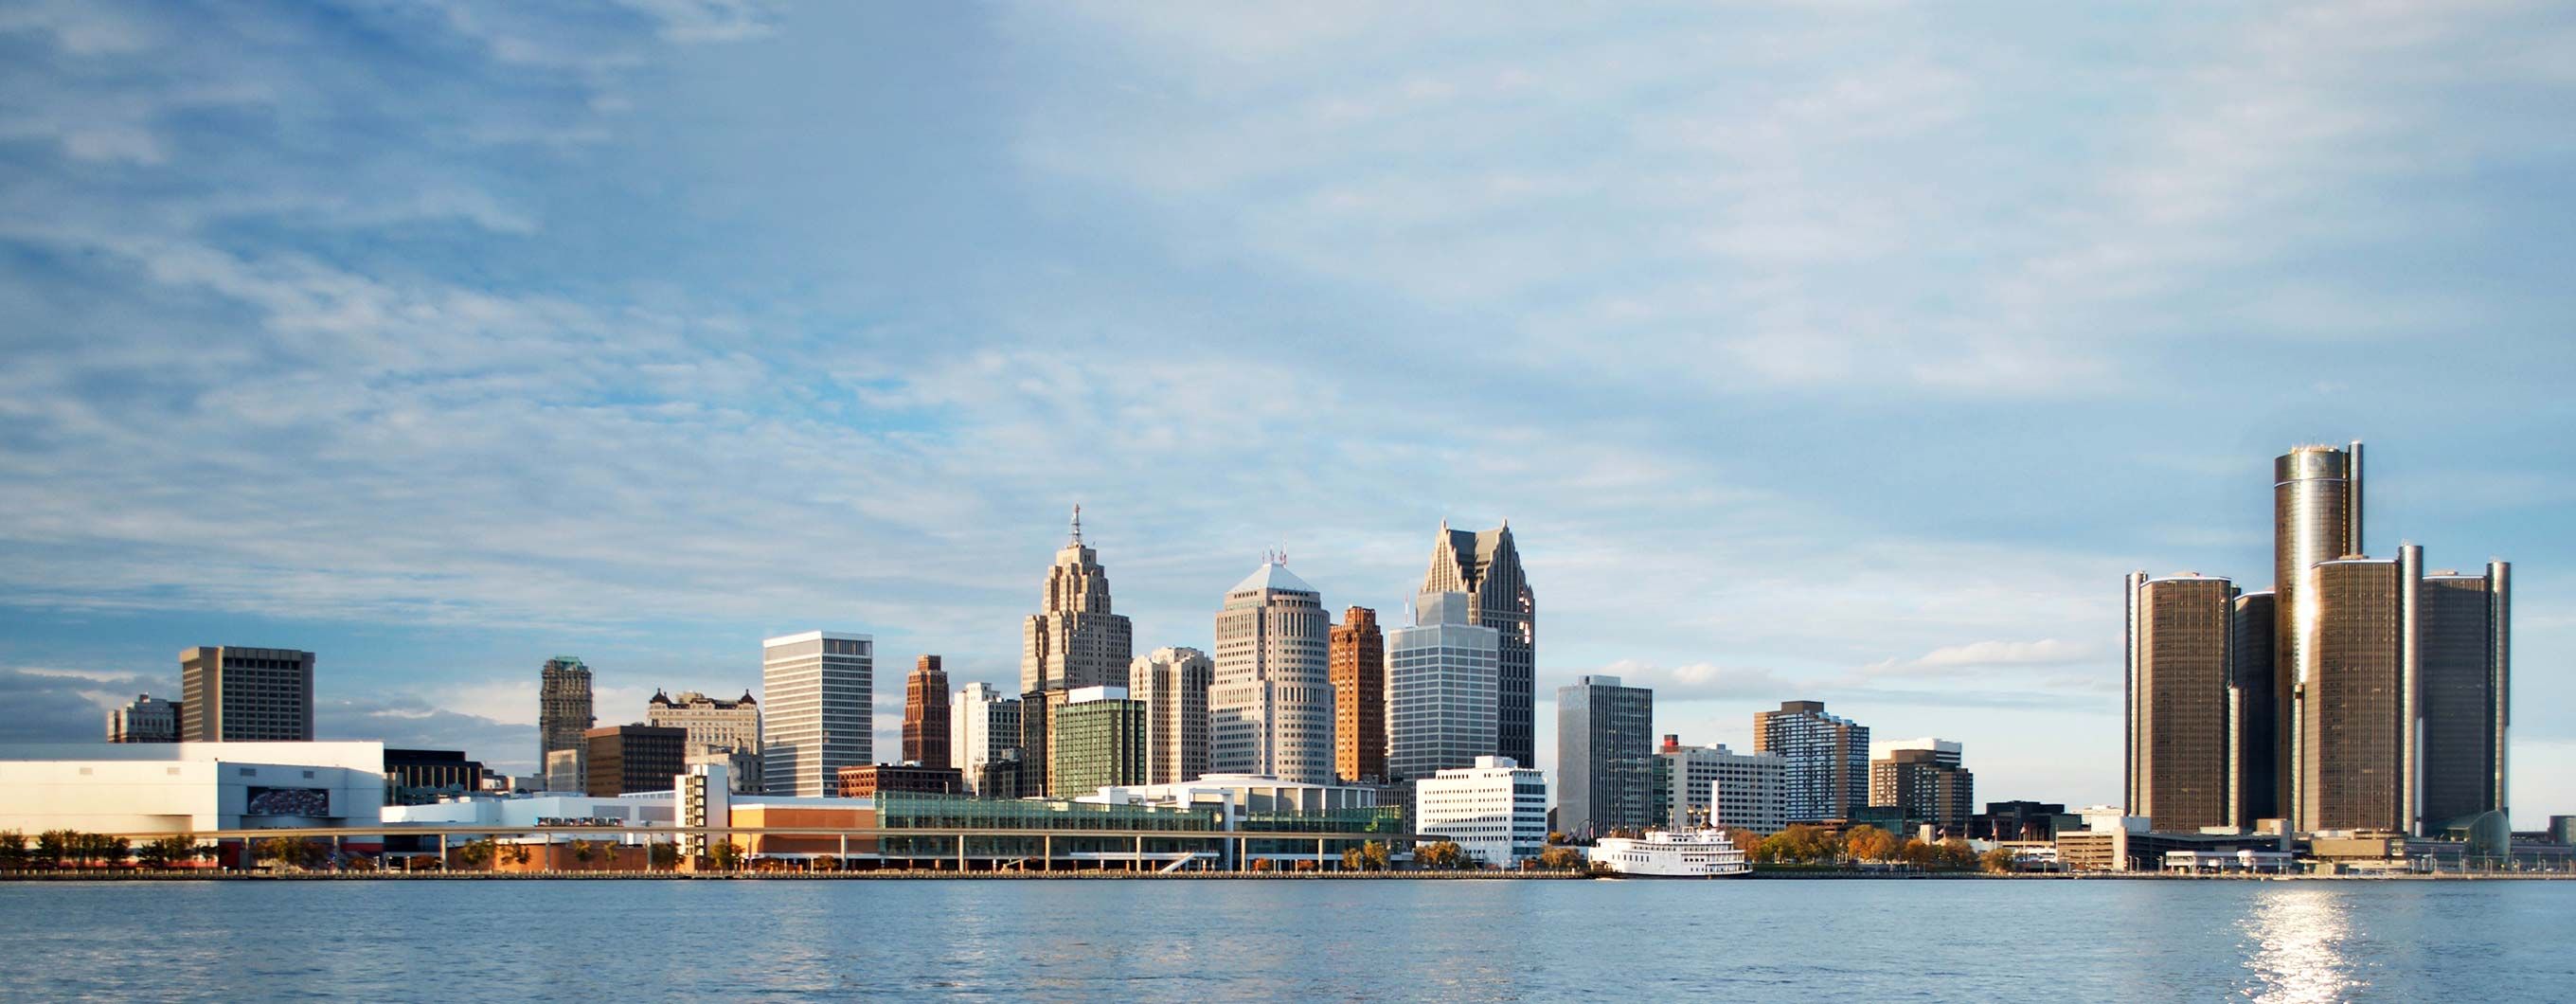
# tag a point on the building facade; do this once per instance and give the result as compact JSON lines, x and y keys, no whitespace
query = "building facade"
{"x":1358,"y":658}
{"x":1271,"y":703}
{"x":413,"y":777}
{"x":1495,"y":810}
{"x":2465,"y":662}
{"x":1074,"y":640}
{"x":138,"y":788}
{"x":1605,"y":756}
{"x":1826,"y":759}
{"x":624,"y":759}
{"x":235,"y":694}
{"x":866,"y":781}
{"x":1923,"y":785}
{"x":925,"y":715}
{"x":148,"y":720}
{"x":1173,"y":684}
{"x":2181,"y":706}
{"x":983,"y":724}
{"x":741,"y":765}
{"x":1486,"y":565}
{"x":563,"y":709}
{"x":1443,"y":689}
{"x":2356,"y":706}
{"x":1097,"y":740}
{"x":2316,"y":516}
{"x":2256,"y":720}
{"x":1715,"y":786}
{"x":820,"y":708}
{"x":711,"y":724}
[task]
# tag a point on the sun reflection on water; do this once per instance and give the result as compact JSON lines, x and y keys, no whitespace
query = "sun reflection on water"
{"x":2298,"y":941}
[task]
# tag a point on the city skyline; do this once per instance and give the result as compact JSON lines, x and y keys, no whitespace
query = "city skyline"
{"x":1774,"y":419}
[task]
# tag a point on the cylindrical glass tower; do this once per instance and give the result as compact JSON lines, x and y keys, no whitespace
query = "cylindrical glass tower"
{"x":2316,"y":516}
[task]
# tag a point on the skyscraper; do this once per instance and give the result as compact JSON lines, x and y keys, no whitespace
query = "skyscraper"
{"x":1716,"y":786}
{"x":1359,"y":697}
{"x":148,"y":720}
{"x":1271,"y":706}
{"x":1096,"y":739}
{"x":563,"y":709}
{"x":1442,"y":686}
{"x":235,"y":694}
{"x":1074,"y":640}
{"x":984,"y":723}
{"x":1605,"y":749}
{"x":1924,"y":784}
{"x":2464,"y":671}
{"x":2316,"y":516}
{"x":1827,"y":774}
{"x":2181,"y":630}
{"x":2357,"y":703}
{"x":925,"y":714}
{"x":1173,"y":684}
{"x":2254,"y":751}
{"x":1487,"y":567}
{"x":632,"y":758}
{"x":820,"y":712}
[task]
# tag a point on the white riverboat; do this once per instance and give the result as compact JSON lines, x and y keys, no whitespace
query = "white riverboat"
{"x":1700,"y":853}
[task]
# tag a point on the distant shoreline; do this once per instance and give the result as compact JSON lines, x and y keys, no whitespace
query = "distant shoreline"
{"x":1101,"y":876}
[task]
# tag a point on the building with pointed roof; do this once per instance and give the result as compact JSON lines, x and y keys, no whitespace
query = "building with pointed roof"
{"x":1486,"y":565}
{"x":1271,"y":702}
{"x":1074,"y":640}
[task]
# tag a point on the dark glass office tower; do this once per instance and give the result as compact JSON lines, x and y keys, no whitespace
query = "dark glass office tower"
{"x":2180,"y":630}
{"x":2254,"y":754}
{"x":2464,"y":667}
{"x":1605,"y":756}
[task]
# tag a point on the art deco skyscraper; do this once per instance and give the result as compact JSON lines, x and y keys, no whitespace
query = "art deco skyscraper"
{"x":563,"y":708}
{"x":925,"y":714}
{"x":819,"y":710}
{"x":1486,"y":566}
{"x":2357,"y":693}
{"x":2316,"y":516}
{"x":1173,"y":684}
{"x":2465,"y":672}
{"x":1271,"y":707}
{"x":1827,"y":774}
{"x":1074,"y":640}
{"x":233,"y":694}
{"x":1359,"y":697}
{"x":2181,"y":630}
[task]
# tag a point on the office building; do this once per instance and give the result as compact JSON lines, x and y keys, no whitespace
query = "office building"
{"x":983,"y":723}
{"x":1097,"y":740}
{"x":925,"y":715}
{"x":1443,"y":688}
{"x":2464,"y":670}
{"x":1173,"y":683}
{"x":2020,"y":821}
{"x":1924,"y":784}
{"x":2316,"y":516}
{"x":2357,"y":693}
{"x":1826,"y":759}
{"x":1605,"y":750}
{"x":1486,"y":565}
{"x":711,"y":724}
{"x":866,"y":781}
{"x":563,"y":709}
{"x":1074,"y":640}
{"x":1037,"y":710}
{"x":624,"y":759}
{"x":741,"y":765}
{"x":1495,"y":810}
{"x":1359,"y":697}
{"x":1715,"y":786}
{"x":235,"y":694}
{"x":2181,"y":716}
{"x":148,"y":720}
{"x":1271,"y":704}
{"x":2255,"y":717}
{"x":820,"y":710}
{"x":414,"y":777}
{"x":568,"y":771}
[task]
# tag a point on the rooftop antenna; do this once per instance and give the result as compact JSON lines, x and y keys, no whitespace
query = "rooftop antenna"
{"x":1077,"y":522}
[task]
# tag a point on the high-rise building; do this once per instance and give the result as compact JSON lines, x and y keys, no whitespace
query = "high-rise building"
{"x":983,"y":724}
{"x":2465,"y":664}
{"x":1097,"y":739}
{"x":1173,"y":684}
{"x":148,"y":720}
{"x":2255,"y":715}
{"x":741,"y":765}
{"x":1074,"y":640}
{"x":632,"y":758}
{"x":925,"y":714}
{"x":1271,"y":705}
{"x":2356,"y":707}
{"x":820,"y":715}
{"x":1495,"y":810}
{"x":1827,"y":770}
{"x":1924,"y":784}
{"x":2316,"y":516}
{"x":710,"y":723}
{"x":1037,"y":711}
{"x":2181,"y":715}
{"x":1486,"y":566}
{"x":568,"y":770}
{"x":1716,"y":786}
{"x":235,"y":694}
{"x":563,"y":709}
{"x":1443,"y":681}
{"x":1359,"y":697}
{"x":1605,"y":749}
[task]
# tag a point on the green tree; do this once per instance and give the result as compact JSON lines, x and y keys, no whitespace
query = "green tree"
{"x":13,"y":850}
{"x":663,"y":857}
{"x":726,"y":856}
{"x":52,"y":847}
{"x":1563,"y":859}
{"x":2000,"y":860}
{"x":111,"y":851}
{"x":584,"y":851}
{"x":1376,"y":854}
{"x":519,"y":854}
{"x":1953,"y":854}
{"x":1440,"y":855}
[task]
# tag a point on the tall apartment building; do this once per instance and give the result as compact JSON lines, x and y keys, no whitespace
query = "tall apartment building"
{"x":235,"y":694}
{"x":1605,"y":756}
{"x":1097,"y":740}
{"x":983,"y":724}
{"x":1443,"y":687}
{"x":148,"y":720}
{"x":1495,"y":810}
{"x":925,"y":714}
{"x":624,"y":759}
{"x":1486,"y":565}
{"x":563,"y":710}
{"x":1074,"y":640}
{"x":1359,"y":697}
{"x":820,"y":711}
{"x":1173,"y":684}
{"x":1826,"y":759}
{"x":1271,"y":705}
{"x":710,"y":723}
{"x":2182,"y":727}
{"x":2357,"y":703}
{"x":2465,"y":670}
{"x":1924,"y":784}
{"x":1715,"y":786}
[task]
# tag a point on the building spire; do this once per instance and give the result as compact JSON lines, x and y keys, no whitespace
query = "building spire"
{"x":1077,"y":523}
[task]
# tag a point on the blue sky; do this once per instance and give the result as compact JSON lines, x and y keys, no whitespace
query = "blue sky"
{"x":1848,"y":352}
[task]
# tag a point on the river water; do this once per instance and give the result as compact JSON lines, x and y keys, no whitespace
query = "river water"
{"x":1301,"y":940}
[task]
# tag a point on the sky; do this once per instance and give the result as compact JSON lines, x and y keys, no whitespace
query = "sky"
{"x":1849,"y":351}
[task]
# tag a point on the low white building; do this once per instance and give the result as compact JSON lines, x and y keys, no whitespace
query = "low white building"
{"x":142,"y":788}
{"x":1716,"y":786}
{"x":1237,"y":794}
{"x":1496,"y":811}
